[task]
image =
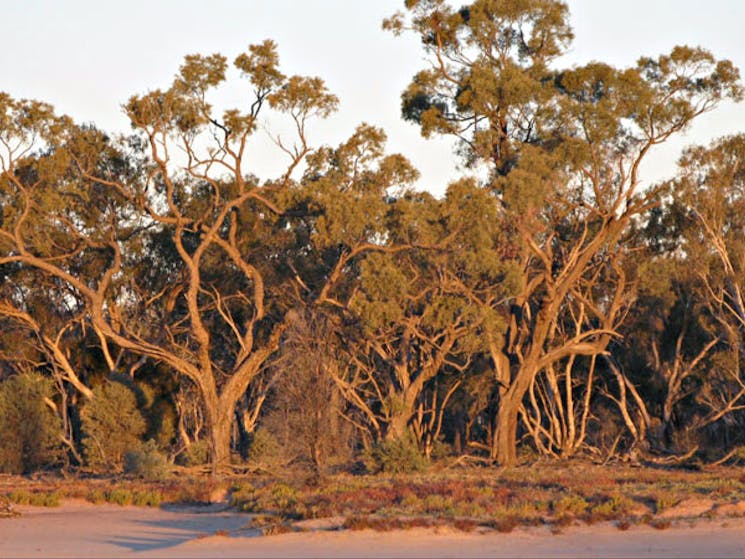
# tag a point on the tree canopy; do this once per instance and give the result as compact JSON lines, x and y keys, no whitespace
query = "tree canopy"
{"x":549,"y":290}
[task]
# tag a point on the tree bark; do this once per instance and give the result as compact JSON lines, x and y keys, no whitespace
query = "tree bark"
{"x":504,"y":443}
{"x":219,"y":424}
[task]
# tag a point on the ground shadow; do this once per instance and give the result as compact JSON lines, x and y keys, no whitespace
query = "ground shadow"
{"x":181,"y":527}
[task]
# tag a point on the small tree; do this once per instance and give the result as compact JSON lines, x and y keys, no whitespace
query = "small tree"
{"x":31,"y":430}
{"x":306,"y":411}
{"x":113,"y":426}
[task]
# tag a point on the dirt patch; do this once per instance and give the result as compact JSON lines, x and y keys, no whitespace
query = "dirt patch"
{"x":688,"y":508}
{"x":730,"y":509}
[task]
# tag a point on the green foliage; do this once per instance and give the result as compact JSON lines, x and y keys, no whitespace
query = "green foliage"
{"x":573,"y":505}
{"x":613,"y":507}
{"x":277,"y":498}
{"x":30,"y":430}
{"x":35,"y":498}
{"x":147,"y":498}
{"x":395,"y":456}
{"x":121,"y":497}
{"x":196,"y":454}
{"x":533,"y":266}
{"x":96,"y":496}
{"x":113,"y":426}
{"x":265,"y":448}
{"x":147,"y":462}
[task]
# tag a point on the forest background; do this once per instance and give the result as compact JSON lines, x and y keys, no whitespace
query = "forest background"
{"x":164,"y":299}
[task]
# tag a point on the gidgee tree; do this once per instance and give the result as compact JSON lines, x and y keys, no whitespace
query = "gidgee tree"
{"x":562,"y":150}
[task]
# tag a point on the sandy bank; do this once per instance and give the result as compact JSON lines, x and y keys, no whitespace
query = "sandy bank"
{"x":79,"y":529}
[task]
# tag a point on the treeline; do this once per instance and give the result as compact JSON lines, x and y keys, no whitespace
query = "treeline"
{"x":153,"y":289}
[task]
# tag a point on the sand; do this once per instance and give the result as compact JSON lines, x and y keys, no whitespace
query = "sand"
{"x":79,"y":529}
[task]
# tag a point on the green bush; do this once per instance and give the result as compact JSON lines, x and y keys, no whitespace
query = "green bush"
{"x":278,"y":498}
{"x":613,"y":507}
{"x":396,"y":456}
{"x":113,"y":426}
{"x":147,"y":498}
{"x":30,"y":429}
{"x":36,"y":498}
{"x":147,"y":462}
{"x":197,"y":454}
{"x":265,"y":449}
{"x":96,"y":496}
{"x":122,"y":497}
{"x":573,"y":505}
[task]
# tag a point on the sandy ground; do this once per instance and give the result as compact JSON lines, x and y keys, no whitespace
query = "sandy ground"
{"x":78,"y":529}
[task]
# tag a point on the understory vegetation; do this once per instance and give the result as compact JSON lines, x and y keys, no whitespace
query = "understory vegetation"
{"x":466,"y":498}
{"x":163,"y":309}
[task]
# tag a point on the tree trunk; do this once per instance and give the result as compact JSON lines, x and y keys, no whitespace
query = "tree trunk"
{"x":219,"y":426}
{"x":397,"y":427}
{"x":504,"y":442}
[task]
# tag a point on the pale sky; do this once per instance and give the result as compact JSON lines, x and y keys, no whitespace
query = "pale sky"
{"x":87,"y":57}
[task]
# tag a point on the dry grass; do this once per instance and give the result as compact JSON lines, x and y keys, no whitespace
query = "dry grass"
{"x":552,"y":494}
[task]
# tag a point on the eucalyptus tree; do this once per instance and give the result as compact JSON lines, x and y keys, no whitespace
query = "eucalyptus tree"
{"x":562,"y":151}
{"x":190,"y":259}
{"x":56,"y":233}
{"x":709,"y":194}
{"x":370,"y":229}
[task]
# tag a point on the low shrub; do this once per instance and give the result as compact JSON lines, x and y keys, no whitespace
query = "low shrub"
{"x":122,"y":497}
{"x":35,"y":498}
{"x":197,"y":454}
{"x":20,"y":497}
{"x":573,"y":505}
{"x":397,"y":456}
{"x":278,"y":498}
{"x":147,"y":462}
{"x":265,"y":449}
{"x":504,"y":524}
{"x":96,"y":496}
{"x":664,"y":502}
{"x":660,"y":523}
{"x":617,"y":505}
{"x":147,"y":498}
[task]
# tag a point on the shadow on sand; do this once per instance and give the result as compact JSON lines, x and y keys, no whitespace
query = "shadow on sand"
{"x":182,"y":526}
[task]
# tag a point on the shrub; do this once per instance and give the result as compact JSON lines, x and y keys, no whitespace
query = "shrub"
{"x":664,"y":502}
{"x":148,"y":462}
{"x":146,"y":498}
{"x":395,"y":456}
{"x":573,"y":505}
{"x":30,"y":429}
{"x":244,"y":497}
{"x":616,"y":506}
{"x":96,"y":496}
{"x":265,"y":449}
{"x":36,"y":499}
{"x":121,"y":497}
{"x":438,"y":504}
{"x":20,"y":497}
{"x":197,"y":454}
{"x":113,"y":426}
{"x":278,"y":498}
